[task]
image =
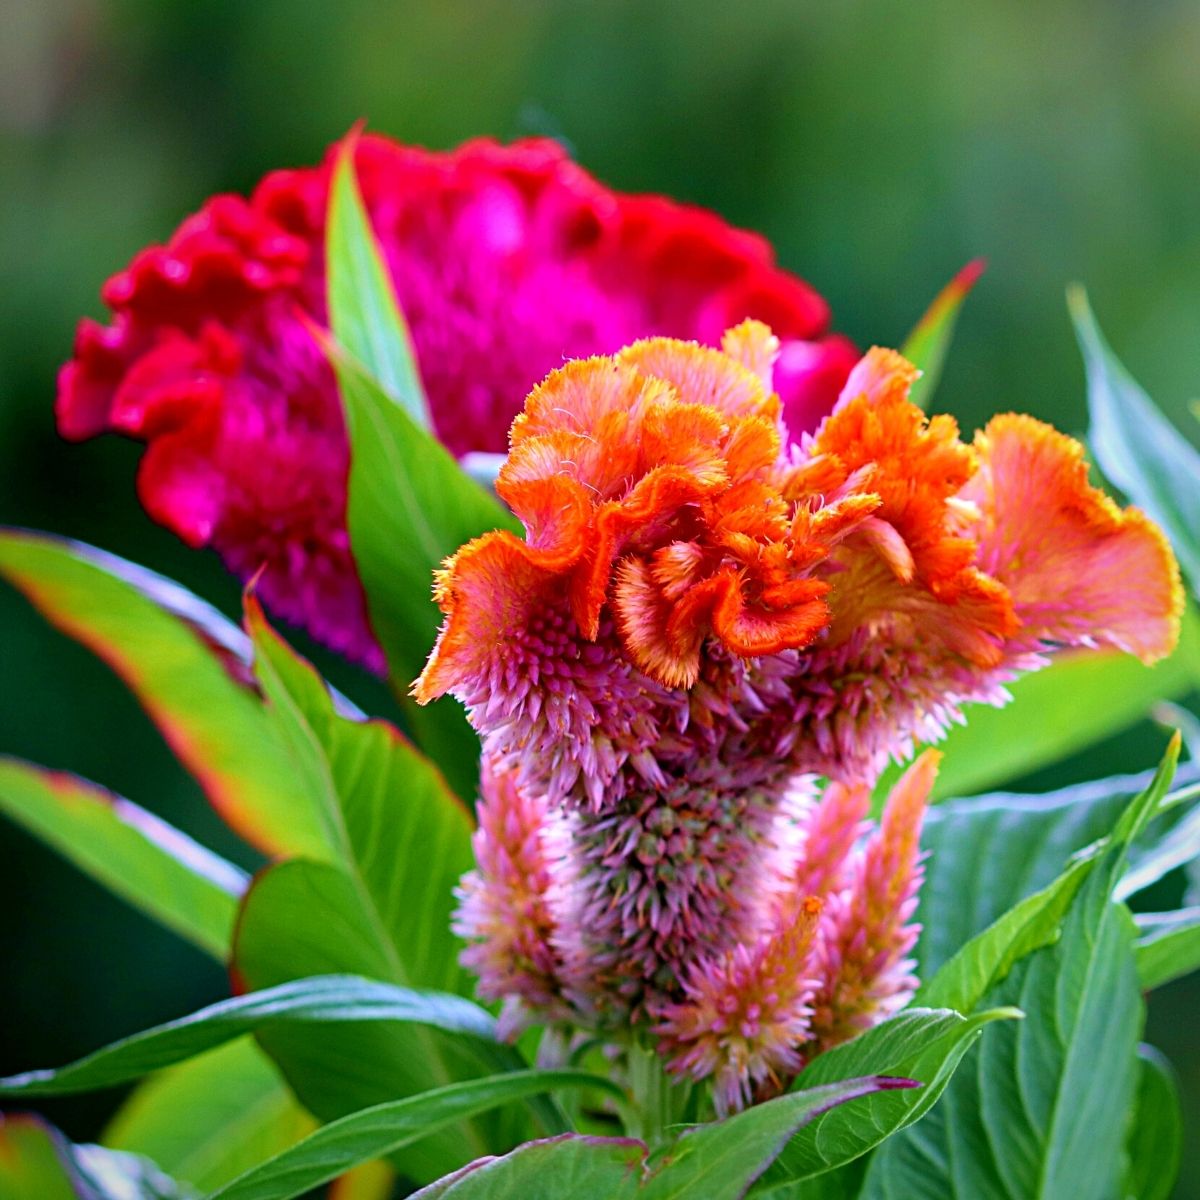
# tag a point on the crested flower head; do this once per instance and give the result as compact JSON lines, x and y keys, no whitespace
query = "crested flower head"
{"x":700,"y":619}
{"x":506,"y":261}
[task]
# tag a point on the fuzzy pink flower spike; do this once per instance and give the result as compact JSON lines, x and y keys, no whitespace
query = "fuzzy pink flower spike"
{"x":866,"y":972}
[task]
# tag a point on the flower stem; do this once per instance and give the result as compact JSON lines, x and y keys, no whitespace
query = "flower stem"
{"x":653,"y":1096}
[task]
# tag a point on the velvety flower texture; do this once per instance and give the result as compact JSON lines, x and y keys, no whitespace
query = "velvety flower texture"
{"x":702,"y":619}
{"x":506,"y":260}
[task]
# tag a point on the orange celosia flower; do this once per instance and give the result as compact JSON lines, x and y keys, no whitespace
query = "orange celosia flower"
{"x":699,"y":621}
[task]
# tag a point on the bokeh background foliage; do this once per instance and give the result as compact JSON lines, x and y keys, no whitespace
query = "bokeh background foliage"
{"x":879,"y":145}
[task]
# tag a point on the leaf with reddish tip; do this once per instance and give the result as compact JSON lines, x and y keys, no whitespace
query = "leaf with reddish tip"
{"x":929,"y":341}
{"x":186,"y":665}
{"x":133,"y":853}
{"x":30,"y":1166}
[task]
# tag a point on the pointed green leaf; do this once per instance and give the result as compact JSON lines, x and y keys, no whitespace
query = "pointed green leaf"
{"x":38,"y":1163}
{"x":385,"y":1128}
{"x":136,"y":855}
{"x":929,"y":341}
{"x":1156,"y":1131}
{"x":722,"y":1159}
{"x":325,"y":1000}
{"x":1168,"y":945}
{"x":1023,"y":1115}
{"x":363,"y":312}
{"x":30,"y":1165}
{"x":717,"y":1161}
{"x":925,"y":1045}
{"x":186,"y":664}
{"x":384,"y":911}
{"x":410,"y":506}
{"x":1136,"y":446}
{"x":573,"y":1165}
{"x":207,"y":1120}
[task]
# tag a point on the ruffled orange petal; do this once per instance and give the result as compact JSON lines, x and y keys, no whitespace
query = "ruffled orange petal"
{"x":489,"y":588}
{"x":1080,"y":569}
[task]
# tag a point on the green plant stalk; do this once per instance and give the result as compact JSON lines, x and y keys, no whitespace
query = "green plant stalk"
{"x":655,"y":1102}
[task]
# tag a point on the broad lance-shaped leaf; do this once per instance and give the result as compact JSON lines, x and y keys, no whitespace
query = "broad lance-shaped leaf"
{"x":925,"y":1045}
{"x":1155,"y":1143}
{"x":718,"y":1161}
{"x":1168,"y":945}
{"x":325,"y":1000}
{"x":1136,"y":446}
{"x":386,"y":1128}
{"x":929,"y":341}
{"x":383,"y":911}
{"x":138,"y":856}
{"x":409,"y":504}
{"x":1083,"y":697}
{"x":206,"y":1120}
{"x":185,"y":664}
{"x":38,"y":1163}
{"x":363,"y":310}
{"x":987,"y":853}
{"x":1024,"y":1115}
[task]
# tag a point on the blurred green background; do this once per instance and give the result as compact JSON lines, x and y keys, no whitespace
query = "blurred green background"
{"x":878,"y":145}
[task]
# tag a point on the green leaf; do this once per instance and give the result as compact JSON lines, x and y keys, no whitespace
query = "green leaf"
{"x":38,"y":1163}
{"x":385,"y":1128}
{"x":409,"y":507}
{"x":324,"y":1000}
{"x":31,"y":1167}
{"x":133,"y":853}
{"x":929,"y":341}
{"x":987,"y":853}
{"x":185,"y":663}
{"x":1156,"y":1133}
{"x":717,"y":1161}
{"x":1136,"y":446}
{"x":363,"y":312}
{"x":925,"y":1045}
{"x":1024,"y":1115}
{"x":383,"y":911}
{"x":209,"y":1119}
{"x":563,"y":1168}
{"x":1168,"y":946}
{"x":722,"y":1159}
{"x":1083,"y":697}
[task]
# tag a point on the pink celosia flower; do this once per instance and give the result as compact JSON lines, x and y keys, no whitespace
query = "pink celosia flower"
{"x":506,"y":260}
{"x":701,"y":618}
{"x":503,"y":906}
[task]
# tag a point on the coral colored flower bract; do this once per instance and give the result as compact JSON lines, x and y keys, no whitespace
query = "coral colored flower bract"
{"x":506,"y":260}
{"x":701,"y":619}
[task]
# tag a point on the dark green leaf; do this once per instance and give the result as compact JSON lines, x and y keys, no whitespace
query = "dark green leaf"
{"x":559,"y":1168}
{"x":1136,"y":446}
{"x":185,"y":663}
{"x":383,"y":911}
{"x":925,"y":1045}
{"x":717,"y":1161}
{"x":1156,"y":1133}
{"x":328,"y":999}
{"x":207,"y":1120}
{"x":385,"y":1128}
{"x":722,"y":1159}
{"x":1168,"y":946}
{"x":986,"y":853}
{"x":929,"y":341}
{"x":141,"y":858}
{"x":1024,"y":1115}
{"x":363,"y":312}
{"x":409,"y":507}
